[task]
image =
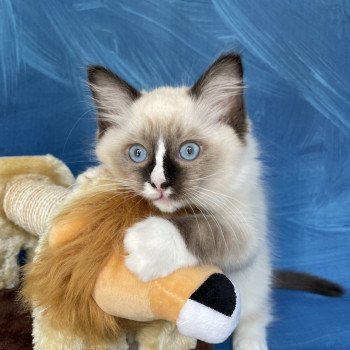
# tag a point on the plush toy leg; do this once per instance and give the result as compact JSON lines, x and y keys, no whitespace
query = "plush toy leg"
{"x":31,"y":215}
{"x":13,"y":238}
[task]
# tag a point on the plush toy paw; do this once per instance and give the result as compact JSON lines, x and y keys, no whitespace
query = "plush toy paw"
{"x":155,"y":248}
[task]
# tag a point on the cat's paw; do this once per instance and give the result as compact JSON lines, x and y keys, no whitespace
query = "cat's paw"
{"x":250,"y":344}
{"x":155,"y":248}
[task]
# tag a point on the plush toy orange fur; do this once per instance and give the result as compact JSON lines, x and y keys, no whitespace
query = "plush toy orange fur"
{"x":63,"y":276}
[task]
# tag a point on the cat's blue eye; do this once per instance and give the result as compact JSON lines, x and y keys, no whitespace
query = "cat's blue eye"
{"x":138,"y":153}
{"x":189,"y":151}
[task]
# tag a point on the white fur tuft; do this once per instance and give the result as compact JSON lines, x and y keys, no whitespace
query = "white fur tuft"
{"x":157,"y":175}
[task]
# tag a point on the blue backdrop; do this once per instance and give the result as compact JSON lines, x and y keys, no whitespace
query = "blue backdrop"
{"x":296,"y":58}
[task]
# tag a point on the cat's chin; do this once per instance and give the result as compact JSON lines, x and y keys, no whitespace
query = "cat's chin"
{"x":167,"y":205}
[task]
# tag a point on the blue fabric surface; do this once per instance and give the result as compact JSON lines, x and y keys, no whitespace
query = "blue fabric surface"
{"x":296,"y":58}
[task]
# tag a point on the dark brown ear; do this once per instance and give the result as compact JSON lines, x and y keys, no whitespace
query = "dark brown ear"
{"x":219,"y":92}
{"x":112,"y":96}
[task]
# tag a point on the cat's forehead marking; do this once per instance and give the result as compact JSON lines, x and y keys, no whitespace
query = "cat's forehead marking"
{"x":158,"y":175}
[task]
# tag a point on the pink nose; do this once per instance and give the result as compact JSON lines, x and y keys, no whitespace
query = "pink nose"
{"x":160,"y":186}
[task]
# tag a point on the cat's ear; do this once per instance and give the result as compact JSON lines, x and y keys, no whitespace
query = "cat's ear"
{"x":112,"y":96}
{"x":219,"y":93}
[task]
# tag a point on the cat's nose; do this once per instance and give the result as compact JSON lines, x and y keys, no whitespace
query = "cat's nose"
{"x":164,"y":185}
{"x":160,"y":186}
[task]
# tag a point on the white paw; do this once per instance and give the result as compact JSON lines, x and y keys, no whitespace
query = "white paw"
{"x":156,"y":248}
{"x":249,"y":344}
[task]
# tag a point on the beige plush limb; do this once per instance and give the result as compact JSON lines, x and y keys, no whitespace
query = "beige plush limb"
{"x":31,"y":201}
{"x":13,"y":238}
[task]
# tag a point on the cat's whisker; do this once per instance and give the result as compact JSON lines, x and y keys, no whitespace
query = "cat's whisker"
{"x":218,"y":197}
{"x":71,"y":130}
{"x":118,"y":193}
{"x":194,"y":213}
{"x":120,"y":182}
{"x":207,"y":176}
{"x":199,"y":198}
{"x":231,"y":211}
{"x":212,"y":216}
{"x":109,"y":188}
{"x":208,"y":223}
{"x":223,"y":195}
{"x":239,"y":229}
{"x":227,"y":209}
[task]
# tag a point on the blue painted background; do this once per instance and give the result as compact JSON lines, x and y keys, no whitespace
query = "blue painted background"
{"x":297,"y":64}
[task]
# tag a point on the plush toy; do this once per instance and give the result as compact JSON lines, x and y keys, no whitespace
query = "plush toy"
{"x":82,"y":292}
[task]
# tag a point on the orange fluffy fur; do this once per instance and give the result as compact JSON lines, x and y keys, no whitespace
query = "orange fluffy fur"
{"x":62,"y":278}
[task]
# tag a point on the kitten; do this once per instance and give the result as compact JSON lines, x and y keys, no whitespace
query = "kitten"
{"x":192,"y":147}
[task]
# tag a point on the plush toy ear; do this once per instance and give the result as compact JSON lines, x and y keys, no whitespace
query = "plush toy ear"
{"x":112,"y":96}
{"x":219,"y":93}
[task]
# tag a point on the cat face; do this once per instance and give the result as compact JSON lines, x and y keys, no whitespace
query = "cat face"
{"x":174,"y":146}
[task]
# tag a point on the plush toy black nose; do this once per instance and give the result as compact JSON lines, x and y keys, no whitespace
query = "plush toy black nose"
{"x":217,"y":293}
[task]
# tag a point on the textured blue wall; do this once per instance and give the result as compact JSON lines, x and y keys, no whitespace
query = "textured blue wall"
{"x":296,"y":58}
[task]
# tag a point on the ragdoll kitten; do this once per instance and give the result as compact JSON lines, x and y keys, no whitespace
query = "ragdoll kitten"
{"x":192,"y":147}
